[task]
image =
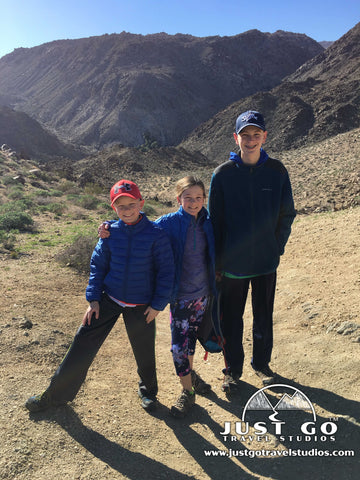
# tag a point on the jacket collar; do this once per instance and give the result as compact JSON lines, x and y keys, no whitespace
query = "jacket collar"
{"x":234,"y":157}
{"x":139,"y":225}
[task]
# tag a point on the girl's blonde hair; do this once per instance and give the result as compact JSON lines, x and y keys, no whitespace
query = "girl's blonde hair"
{"x":187,"y":182}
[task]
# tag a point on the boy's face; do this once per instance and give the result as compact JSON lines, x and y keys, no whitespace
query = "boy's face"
{"x":250,"y":141}
{"x":192,"y":200}
{"x":128,"y":209}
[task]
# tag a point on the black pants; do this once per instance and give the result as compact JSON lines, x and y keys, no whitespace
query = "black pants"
{"x":233,"y":300}
{"x":72,"y":371}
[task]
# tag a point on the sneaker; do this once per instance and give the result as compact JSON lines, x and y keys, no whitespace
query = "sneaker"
{"x":148,"y":402}
{"x":199,"y":385}
{"x":229,"y":379}
{"x":266,"y":375}
{"x":41,"y":402}
{"x":183,"y":404}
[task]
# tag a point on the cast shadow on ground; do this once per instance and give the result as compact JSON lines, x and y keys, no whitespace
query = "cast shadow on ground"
{"x":132,"y":465}
{"x":298,"y":467}
{"x":135,"y":465}
{"x":218,"y":467}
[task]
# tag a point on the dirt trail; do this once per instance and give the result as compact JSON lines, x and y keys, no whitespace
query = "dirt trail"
{"x":104,"y":434}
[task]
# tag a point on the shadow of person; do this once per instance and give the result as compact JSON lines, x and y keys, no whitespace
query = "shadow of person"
{"x":312,"y":453}
{"x":132,"y":465}
{"x":235,"y":401}
{"x":330,"y":401}
{"x":212,"y":457}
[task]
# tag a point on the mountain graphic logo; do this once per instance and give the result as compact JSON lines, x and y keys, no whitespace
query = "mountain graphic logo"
{"x":295,"y":400}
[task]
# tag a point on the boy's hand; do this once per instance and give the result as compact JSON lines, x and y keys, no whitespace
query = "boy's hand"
{"x":94,"y":307}
{"x":103,"y":230}
{"x":150,"y":314}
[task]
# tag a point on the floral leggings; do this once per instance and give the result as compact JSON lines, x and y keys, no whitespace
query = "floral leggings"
{"x":185,"y":319}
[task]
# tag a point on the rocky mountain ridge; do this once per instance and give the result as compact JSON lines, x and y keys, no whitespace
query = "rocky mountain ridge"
{"x":316,"y":102}
{"x":117,"y":88}
{"x":29,"y":139}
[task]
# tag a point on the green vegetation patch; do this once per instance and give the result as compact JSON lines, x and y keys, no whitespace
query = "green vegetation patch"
{"x":16,"y":221}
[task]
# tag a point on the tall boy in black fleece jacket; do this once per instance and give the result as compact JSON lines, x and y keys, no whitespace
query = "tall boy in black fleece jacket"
{"x":252,"y":209}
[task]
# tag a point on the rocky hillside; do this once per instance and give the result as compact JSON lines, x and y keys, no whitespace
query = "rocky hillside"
{"x":116,"y":88}
{"x":325,"y":176}
{"x":30,"y":140}
{"x":318,"y":101}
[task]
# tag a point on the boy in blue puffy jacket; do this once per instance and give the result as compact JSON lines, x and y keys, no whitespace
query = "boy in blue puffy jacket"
{"x":131,"y":273}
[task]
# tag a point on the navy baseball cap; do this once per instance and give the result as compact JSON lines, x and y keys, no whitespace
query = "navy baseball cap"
{"x":251,"y":117}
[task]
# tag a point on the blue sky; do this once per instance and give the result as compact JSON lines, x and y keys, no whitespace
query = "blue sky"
{"x":27,"y":23}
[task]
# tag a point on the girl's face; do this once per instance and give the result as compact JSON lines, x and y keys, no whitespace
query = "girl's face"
{"x":192,"y":200}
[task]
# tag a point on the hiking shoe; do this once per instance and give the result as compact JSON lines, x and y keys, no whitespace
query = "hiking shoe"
{"x":229,"y":379}
{"x":266,"y":375}
{"x":41,"y":402}
{"x":183,"y":404}
{"x":148,"y":402}
{"x":199,"y":385}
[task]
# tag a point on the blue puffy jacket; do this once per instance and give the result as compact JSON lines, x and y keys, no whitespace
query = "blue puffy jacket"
{"x":177,"y":224}
{"x":134,"y":265}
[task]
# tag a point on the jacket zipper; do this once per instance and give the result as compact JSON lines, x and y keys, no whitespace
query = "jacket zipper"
{"x":127,"y":263}
{"x":252,"y":171}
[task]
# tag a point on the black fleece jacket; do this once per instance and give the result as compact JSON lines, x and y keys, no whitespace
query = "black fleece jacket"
{"x":252,"y":210}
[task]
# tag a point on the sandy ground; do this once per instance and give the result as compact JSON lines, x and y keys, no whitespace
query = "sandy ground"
{"x":105,"y":434}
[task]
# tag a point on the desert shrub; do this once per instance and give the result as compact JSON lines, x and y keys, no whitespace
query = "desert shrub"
{"x":106,"y":206}
{"x":36,"y":184}
{"x":149,"y":143}
{"x":154,"y":208}
{"x":15,"y":221}
{"x":55,"y":208}
{"x":56,"y":193}
{"x":7,"y":240}
{"x":40,"y":192}
{"x":41,"y":175}
{"x":15,"y":192}
{"x":78,"y":254}
{"x":19,"y":205}
{"x":93,"y":189}
{"x":149,"y":210}
{"x":10,"y":180}
{"x":41,"y":200}
{"x":68,"y":186}
{"x":88,"y":202}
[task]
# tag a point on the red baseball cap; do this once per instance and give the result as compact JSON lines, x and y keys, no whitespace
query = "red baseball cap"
{"x":124,"y":188}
